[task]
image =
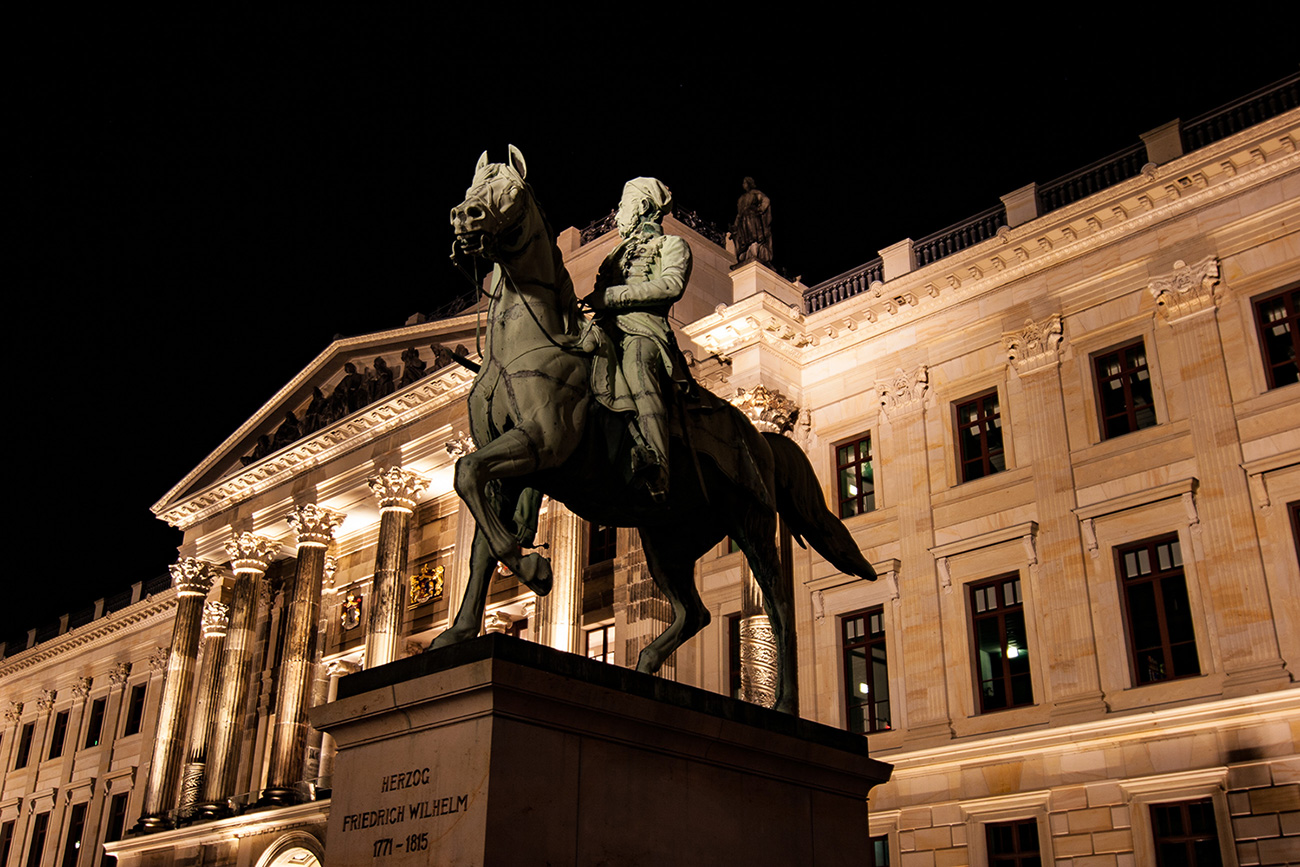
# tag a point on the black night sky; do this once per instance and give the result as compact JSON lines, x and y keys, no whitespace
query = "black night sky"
{"x":210,"y":197}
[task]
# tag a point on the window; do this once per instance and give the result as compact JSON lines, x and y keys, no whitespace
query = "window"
{"x":76,"y":826}
{"x":600,"y":643}
{"x":1001,"y":651}
{"x":1278,"y":319}
{"x":95,"y":727}
{"x":1124,"y":390}
{"x":855,"y":478}
{"x":879,"y":851}
{"x":602,"y":544}
{"x":59,"y":735}
{"x":116,"y":818}
{"x":135,"y":709}
{"x":24,"y":745}
{"x":1185,"y":834}
{"x":1293,"y":509}
{"x":1161,"y":638}
{"x":1013,"y":844}
{"x":39,"y":826}
{"x":979,"y":437}
{"x":733,"y":656}
{"x":866,"y":671}
{"x":6,"y":841}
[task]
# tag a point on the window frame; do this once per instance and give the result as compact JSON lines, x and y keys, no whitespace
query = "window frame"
{"x":76,"y":824}
{"x":1016,"y":857}
{"x":999,"y":613}
{"x":1130,"y":405}
{"x":857,"y":462}
{"x":58,"y":734}
{"x":607,"y":639}
{"x":133,"y":719}
{"x":868,"y":642}
{"x":1290,"y":296}
{"x":986,"y":454}
{"x":1156,"y":577}
{"x":23,"y":750}
{"x":97,"y":714}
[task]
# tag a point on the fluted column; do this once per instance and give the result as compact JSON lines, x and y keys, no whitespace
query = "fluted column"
{"x":559,"y":614}
{"x":397,"y":491}
{"x":192,"y":579}
{"x":250,"y":556}
{"x":1232,"y":560}
{"x":1072,"y":677}
{"x":216,"y":619}
{"x":315,"y":528}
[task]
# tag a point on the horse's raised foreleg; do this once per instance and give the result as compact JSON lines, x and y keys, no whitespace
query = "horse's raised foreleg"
{"x":758,"y":540}
{"x":508,"y":456}
{"x":469,"y":620}
{"x":673,"y":569}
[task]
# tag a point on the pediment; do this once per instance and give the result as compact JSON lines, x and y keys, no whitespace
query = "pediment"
{"x":353,"y":383}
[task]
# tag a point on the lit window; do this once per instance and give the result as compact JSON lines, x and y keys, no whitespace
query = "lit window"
{"x":59,"y":735}
{"x":1185,"y":834}
{"x":24,"y":745}
{"x":1124,"y":390}
{"x":1001,"y":648}
{"x":979,"y":437}
{"x":1013,"y":844}
{"x":1161,"y":638}
{"x":855,"y":478}
{"x":135,"y":709}
{"x":95,"y":728}
{"x":600,"y":643}
{"x":1278,"y":319}
{"x":866,"y":671}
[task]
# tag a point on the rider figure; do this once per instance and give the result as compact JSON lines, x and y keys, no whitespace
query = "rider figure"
{"x":635,"y":288}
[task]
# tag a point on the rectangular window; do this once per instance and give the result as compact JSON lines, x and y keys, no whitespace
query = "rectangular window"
{"x":116,"y":818}
{"x":1185,"y":834}
{"x":135,"y":709}
{"x":1124,"y":390}
{"x":1013,"y":844}
{"x":95,"y":727}
{"x":600,"y":643}
{"x":866,"y":671}
{"x":1001,"y":649}
{"x":855,"y":477}
{"x":59,"y":735}
{"x":6,"y":841}
{"x":979,"y":437}
{"x":602,"y":544}
{"x":1278,"y":319}
{"x":76,"y":826}
{"x":1162,"y":641}
{"x":24,"y":745}
{"x":879,"y":851}
{"x":39,"y":826}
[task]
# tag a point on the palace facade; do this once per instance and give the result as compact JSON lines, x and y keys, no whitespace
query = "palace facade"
{"x":1066,"y":433}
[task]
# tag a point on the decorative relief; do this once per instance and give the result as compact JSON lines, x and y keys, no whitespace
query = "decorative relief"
{"x":462,"y":445}
{"x":426,"y":585}
{"x":315,"y":525}
{"x":192,"y":577}
{"x":14,"y":712}
{"x":47,"y":699}
{"x":331,"y":569}
{"x":498,"y":622}
{"x":758,"y":665}
{"x":904,"y":392}
{"x":216,"y":618}
{"x":120,"y":673}
{"x":768,"y":409}
{"x":1036,"y":346}
{"x":397,"y":488}
{"x":342,"y":667}
{"x":81,"y":687}
{"x":251,"y":553}
{"x":350,"y":614}
{"x":1187,"y":289}
{"x":158,"y":659}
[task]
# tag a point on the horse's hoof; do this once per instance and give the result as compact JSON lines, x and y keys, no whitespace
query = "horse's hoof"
{"x":535,"y":571}
{"x":648,"y":663}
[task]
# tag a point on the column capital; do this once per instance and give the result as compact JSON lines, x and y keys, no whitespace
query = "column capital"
{"x":768,"y":409}
{"x":397,"y":488}
{"x":904,"y":392}
{"x":1035,"y":347}
{"x":251,"y":553}
{"x":315,"y":525}
{"x":47,"y":699}
{"x":341,"y":667}
{"x":462,"y":445}
{"x":158,"y":659}
{"x":216,"y":617}
{"x":192,"y":576}
{"x":1186,"y":290}
{"x":81,"y":688}
{"x":120,"y":673}
{"x":14,"y":712}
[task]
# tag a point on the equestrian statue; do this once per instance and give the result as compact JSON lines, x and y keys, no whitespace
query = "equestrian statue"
{"x":559,"y":406}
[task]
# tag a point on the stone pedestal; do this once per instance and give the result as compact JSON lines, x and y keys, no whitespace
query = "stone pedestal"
{"x":504,"y":752}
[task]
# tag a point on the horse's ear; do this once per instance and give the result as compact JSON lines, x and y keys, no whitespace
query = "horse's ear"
{"x":482,"y":161}
{"x":517,"y":161}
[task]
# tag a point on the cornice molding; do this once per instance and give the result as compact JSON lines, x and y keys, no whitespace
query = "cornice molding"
{"x":135,"y":618}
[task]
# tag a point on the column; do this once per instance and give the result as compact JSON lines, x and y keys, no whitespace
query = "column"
{"x":1233,"y":566}
{"x":906,"y":470}
{"x":216,"y":619}
{"x":250,"y":556}
{"x":397,"y":491}
{"x":192,"y":579}
{"x":1061,"y":581}
{"x":315,"y":527}
{"x":559,"y":614}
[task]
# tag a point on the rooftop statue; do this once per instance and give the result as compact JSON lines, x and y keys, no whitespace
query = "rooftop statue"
{"x":752,"y":228}
{"x":540,"y":430}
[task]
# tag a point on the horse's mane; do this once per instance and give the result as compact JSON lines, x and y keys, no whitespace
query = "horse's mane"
{"x":566,"y":300}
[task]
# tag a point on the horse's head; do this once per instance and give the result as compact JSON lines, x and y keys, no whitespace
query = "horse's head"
{"x":491,"y":219}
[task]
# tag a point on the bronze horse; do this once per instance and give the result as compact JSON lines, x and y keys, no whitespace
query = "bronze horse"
{"x":538,"y":430}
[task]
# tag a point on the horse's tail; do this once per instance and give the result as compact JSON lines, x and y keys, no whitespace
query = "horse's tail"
{"x":803,"y":508}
